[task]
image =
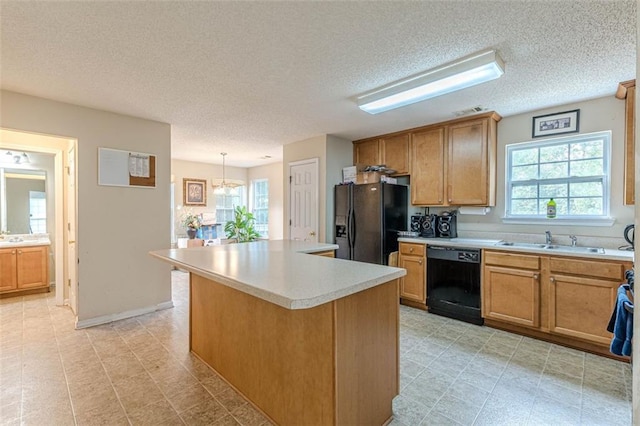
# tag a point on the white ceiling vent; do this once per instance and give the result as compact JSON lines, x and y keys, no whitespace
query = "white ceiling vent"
{"x":472,"y":110}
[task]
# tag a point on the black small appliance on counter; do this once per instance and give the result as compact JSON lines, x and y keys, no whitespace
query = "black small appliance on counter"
{"x":447,"y":225}
{"x":443,"y":225}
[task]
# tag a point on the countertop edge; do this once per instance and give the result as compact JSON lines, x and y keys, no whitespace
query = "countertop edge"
{"x":609,"y":254}
{"x":26,"y":243}
{"x":285,"y":302}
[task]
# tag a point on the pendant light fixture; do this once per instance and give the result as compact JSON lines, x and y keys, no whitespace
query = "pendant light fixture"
{"x":224,"y":188}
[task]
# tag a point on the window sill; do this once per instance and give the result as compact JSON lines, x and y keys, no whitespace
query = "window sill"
{"x":559,"y":221}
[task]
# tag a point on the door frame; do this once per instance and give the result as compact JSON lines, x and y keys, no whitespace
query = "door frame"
{"x":315,"y":161}
{"x":50,"y":144}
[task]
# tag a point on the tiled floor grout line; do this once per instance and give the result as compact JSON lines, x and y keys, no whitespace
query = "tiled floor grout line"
{"x":64,"y":369}
{"x":497,"y":381}
{"x":115,"y":391}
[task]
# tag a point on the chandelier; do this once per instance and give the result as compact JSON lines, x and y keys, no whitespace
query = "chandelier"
{"x":224,"y":187}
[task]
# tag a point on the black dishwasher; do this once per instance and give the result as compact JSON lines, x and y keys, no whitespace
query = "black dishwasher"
{"x":453,"y":283}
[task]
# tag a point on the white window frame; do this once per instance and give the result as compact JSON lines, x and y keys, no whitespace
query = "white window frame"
{"x":263,"y":234}
{"x":587,"y":220}
{"x":241,"y":193}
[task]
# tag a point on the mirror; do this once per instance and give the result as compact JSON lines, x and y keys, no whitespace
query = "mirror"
{"x":24,"y":209}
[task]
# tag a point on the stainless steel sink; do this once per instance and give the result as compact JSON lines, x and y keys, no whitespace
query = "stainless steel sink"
{"x":554,"y":247}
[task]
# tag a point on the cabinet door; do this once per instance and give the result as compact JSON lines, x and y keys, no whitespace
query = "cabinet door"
{"x":367,"y":153}
{"x":427,"y":168}
{"x":8,"y":270}
{"x":629,"y":155}
{"x":467,"y":165}
{"x":413,"y":286}
{"x":32,"y":270}
{"x":395,"y":153}
{"x":512,"y":295}
{"x":581,"y":307}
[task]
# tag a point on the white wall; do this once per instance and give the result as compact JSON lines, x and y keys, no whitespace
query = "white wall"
{"x":181,"y":169}
{"x":339,"y":155}
{"x":595,"y":115}
{"x":117,"y":226}
{"x":274,"y":174}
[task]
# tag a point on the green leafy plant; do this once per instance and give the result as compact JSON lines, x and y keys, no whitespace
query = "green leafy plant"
{"x":241,"y":228}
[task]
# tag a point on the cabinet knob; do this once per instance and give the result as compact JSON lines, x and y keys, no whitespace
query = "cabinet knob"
{"x":13,"y":252}
{"x":420,"y":262}
{"x":411,"y":250}
{"x":536,"y":277}
{"x":449,"y":199}
{"x":553,"y":280}
{"x":19,"y":251}
{"x":439,"y":200}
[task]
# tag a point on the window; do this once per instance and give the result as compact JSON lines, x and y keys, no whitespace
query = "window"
{"x":225,"y":203}
{"x":260,"y":204}
{"x":574,"y":171}
{"x":37,"y":212}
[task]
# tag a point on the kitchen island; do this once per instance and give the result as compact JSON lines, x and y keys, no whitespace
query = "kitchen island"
{"x":307,"y":339}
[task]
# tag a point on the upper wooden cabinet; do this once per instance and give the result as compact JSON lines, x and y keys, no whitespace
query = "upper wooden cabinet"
{"x":395,"y":153}
{"x":468,"y":162}
{"x":454,"y":164}
{"x":627,"y":91}
{"x":427,"y":167}
{"x":451,"y":163}
{"x":367,"y":152}
{"x":392,"y":151}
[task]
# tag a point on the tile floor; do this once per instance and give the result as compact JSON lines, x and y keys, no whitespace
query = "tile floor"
{"x":139,"y":371}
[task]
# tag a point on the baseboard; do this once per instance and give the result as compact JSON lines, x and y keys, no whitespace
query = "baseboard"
{"x":105,"y":319}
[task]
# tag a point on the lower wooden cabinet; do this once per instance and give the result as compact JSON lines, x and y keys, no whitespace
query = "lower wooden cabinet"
{"x":413,"y":286}
{"x":511,"y":288}
{"x":24,"y":268}
{"x":328,"y":253}
{"x":565,"y":299}
{"x":582,"y":294}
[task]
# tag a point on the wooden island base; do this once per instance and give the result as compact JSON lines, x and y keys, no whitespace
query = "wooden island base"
{"x":334,"y":364}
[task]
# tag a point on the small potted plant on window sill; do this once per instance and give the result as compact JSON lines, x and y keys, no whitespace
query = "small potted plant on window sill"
{"x":192,"y":222}
{"x":241,"y":229}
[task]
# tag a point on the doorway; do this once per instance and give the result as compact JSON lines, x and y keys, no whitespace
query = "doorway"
{"x":303,"y":200}
{"x":61,"y":211}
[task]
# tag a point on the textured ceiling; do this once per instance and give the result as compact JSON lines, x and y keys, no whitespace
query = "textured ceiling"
{"x":249,"y":77}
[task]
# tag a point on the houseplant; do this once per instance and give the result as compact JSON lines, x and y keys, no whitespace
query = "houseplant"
{"x":241,"y":228}
{"x":192,"y":222}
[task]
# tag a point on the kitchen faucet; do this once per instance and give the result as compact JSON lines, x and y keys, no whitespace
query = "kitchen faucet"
{"x":574,"y":240}
{"x":547,"y":236}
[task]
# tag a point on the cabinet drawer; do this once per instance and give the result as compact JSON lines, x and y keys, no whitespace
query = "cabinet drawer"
{"x":511,"y":259}
{"x":607,"y":270}
{"x":411,"y":249}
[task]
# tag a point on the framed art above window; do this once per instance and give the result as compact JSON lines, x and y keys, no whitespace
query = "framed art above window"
{"x":556,"y":124}
{"x":194,"y":192}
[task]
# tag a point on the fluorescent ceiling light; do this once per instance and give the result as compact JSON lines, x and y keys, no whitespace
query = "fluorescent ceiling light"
{"x":460,"y":74}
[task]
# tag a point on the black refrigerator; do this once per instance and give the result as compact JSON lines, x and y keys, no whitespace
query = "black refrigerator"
{"x":367,"y":220}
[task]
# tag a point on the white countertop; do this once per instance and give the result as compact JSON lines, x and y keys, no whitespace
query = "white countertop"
{"x":281,"y":271}
{"x":13,"y":241}
{"x":609,"y":254}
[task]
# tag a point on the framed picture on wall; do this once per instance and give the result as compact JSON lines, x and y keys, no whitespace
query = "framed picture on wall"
{"x":194,"y":192}
{"x":556,"y":124}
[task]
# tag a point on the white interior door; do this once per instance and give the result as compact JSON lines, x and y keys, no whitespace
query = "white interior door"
{"x":72,"y":262}
{"x":303,"y":200}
